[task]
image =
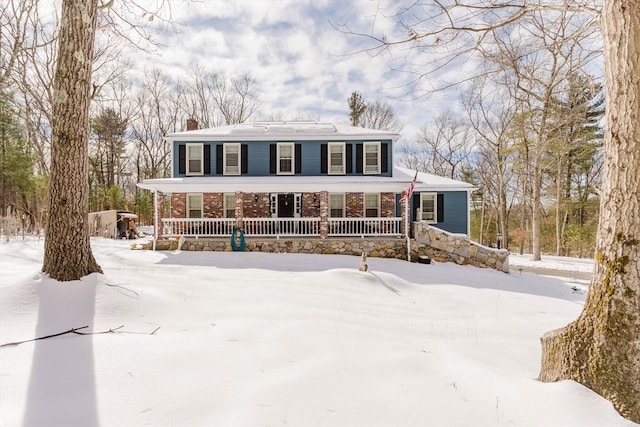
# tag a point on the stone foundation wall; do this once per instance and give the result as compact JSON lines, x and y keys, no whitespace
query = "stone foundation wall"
{"x":443,"y":246}
{"x":436,"y":244}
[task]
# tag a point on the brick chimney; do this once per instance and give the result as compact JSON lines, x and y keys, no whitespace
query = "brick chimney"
{"x":192,"y":124}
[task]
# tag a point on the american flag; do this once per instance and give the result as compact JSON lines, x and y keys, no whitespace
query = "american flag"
{"x":407,"y":194}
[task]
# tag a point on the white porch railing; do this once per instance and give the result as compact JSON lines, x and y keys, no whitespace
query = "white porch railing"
{"x":303,"y":227}
{"x":365,"y":226}
{"x":276,"y":227}
{"x":197,"y":227}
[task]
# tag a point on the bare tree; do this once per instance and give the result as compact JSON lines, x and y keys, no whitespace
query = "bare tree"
{"x":444,"y":148}
{"x":491,"y":111}
{"x":380,"y":115}
{"x":158,"y":106}
{"x":67,"y":251}
{"x":601,"y":349}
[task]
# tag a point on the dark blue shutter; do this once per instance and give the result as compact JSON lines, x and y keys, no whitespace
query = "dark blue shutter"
{"x":324,"y":166}
{"x":415,"y":207}
{"x":272,"y":158}
{"x":349,"y":158}
{"x":182,"y":159}
{"x":244,"y":156}
{"x":440,"y":208}
{"x":207,"y":159}
{"x":298,"y":150}
{"x":384,"y":157}
{"x":219,"y":160}
{"x":358,"y":158}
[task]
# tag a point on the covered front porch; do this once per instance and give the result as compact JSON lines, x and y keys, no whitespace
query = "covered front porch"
{"x":282,"y":227}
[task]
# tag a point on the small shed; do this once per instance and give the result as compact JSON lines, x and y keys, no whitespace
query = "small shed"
{"x":113,"y":224}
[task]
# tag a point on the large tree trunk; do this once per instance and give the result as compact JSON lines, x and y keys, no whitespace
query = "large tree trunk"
{"x":67,"y":252}
{"x":601,"y":349}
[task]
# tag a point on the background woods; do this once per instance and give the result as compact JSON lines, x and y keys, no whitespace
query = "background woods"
{"x":527,"y":132}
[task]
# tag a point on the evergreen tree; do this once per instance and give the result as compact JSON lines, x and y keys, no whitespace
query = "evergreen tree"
{"x":16,"y":162}
{"x":357,"y":107}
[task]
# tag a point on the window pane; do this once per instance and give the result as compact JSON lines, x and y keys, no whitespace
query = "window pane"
{"x":230,"y":205}
{"x":286,"y":157}
{"x":194,"y":158}
{"x":371,"y":158}
{"x":194,"y":165}
{"x":336,"y":156}
{"x":336,"y":205}
{"x":428,"y":207}
{"x":194,"y":202}
{"x":371,"y":205}
{"x":232,"y":158}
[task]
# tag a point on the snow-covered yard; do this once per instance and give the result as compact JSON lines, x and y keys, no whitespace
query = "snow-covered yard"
{"x":256,"y":339}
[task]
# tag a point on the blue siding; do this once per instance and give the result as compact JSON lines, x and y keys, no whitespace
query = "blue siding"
{"x":258,"y":156}
{"x":456,"y":209}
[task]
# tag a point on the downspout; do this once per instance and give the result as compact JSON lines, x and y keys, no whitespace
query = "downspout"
{"x":155,"y":218}
{"x":469,"y":214}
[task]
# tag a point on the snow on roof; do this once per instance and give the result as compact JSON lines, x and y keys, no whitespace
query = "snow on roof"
{"x":291,"y":184}
{"x":299,"y":130}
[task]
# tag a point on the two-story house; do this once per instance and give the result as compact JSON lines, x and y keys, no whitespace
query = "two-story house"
{"x":298,"y":179}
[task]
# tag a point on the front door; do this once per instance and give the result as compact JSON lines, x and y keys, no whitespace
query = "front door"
{"x":286,"y":205}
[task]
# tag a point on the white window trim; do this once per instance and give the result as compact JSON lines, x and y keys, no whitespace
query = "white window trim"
{"x":344,"y":202}
{"x":364,"y":204}
{"x":364,"y":158}
{"x":201,"y":171}
{"x":293,"y":158}
{"x":189,"y":195}
{"x":435,"y":207}
{"x":344,"y":158}
{"x":224,"y":159}
{"x":225,"y":205}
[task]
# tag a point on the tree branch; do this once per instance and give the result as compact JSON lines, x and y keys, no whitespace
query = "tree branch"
{"x":77,"y":332}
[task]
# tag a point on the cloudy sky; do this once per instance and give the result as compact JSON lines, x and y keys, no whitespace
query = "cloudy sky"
{"x":303,"y":64}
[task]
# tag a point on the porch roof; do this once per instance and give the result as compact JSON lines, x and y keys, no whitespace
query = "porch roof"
{"x":292,"y":184}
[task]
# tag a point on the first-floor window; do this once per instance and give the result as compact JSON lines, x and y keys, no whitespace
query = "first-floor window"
{"x":336,"y":205}
{"x":230,"y":205}
{"x":285,"y":159}
{"x":194,"y":205}
{"x":428,"y":208}
{"x":371,"y":205}
{"x":194,"y":159}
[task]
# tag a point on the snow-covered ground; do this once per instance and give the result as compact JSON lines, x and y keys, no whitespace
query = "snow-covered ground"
{"x":257,"y":339}
{"x":582,"y":265}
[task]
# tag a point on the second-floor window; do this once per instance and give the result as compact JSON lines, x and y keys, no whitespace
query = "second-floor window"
{"x":371,"y":157}
{"x":231,"y":158}
{"x":285,"y":158}
{"x":194,"y":205}
{"x":194,"y":159}
{"x":336,"y":159}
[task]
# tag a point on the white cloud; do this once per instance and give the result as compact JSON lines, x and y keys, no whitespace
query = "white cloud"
{"x":302,"y":63}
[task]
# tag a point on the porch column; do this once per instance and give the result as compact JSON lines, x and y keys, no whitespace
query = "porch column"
{"x":324,"y":214}
{"x":405,"y":223}
{"x":239,"y":209}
